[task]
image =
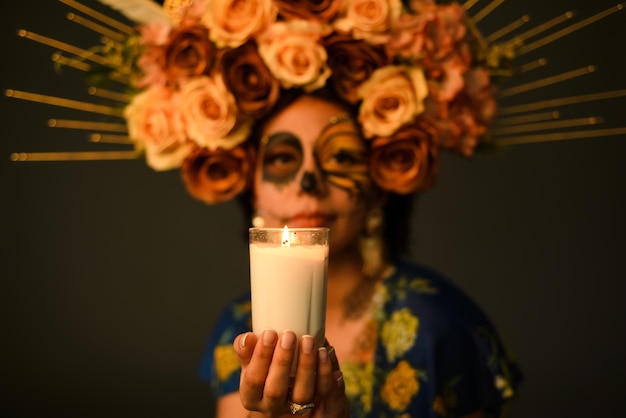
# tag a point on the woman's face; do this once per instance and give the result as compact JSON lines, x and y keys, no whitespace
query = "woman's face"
{"x":312,"y":171}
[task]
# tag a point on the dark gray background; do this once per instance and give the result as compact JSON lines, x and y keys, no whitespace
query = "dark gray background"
{"x":112,"y":275}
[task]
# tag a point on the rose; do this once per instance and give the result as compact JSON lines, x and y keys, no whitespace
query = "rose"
{"x":215,"y":176}
{"x":156,"y":126}
{"x":408,"y":37}
{"x":352,"y":61}
{"x":180,"y":10}
{"x":462,"y":121}
{"x":245,"y":74}
{"x":407,"y":161}
{"x":392,"y":96}
{"x":318,"y":10}
{"x":152,"y":38}
{"x":233,"y":22}
{"x":445,"y":35}
{"x":189,"y":53}
{"x":369,"y":19}
{"x":292,"y":53}
{"x":210,"y":113}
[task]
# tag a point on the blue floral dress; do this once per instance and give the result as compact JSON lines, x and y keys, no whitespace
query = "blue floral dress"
{"x":437,"y":355}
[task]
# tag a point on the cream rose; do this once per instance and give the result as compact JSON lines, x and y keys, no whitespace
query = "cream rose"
{"x":369,"y":19}
{"x":210,"y":114}
{"x":233,"y":22}
{"x":392,"y":97}
{"x":293,"y":54}
{"x":155,"y":124}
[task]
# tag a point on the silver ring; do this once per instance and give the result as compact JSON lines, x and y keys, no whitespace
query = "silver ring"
{"x":299,"y":409}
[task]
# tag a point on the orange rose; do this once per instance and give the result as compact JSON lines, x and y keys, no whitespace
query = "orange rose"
{"x":352,"y":61}
{"x":319,"y":10}
{"x":189,"y":53}
{"x":217,"y":176}
{"x":369,"y":19}
{"x":392,"y":96}
{"x":155,"y":124}
{"x":292,"y":52}
{"x":232,"y":22}
{"x":210,"y":113}
{"x":251,"y":82}
{"x":407,"y":161}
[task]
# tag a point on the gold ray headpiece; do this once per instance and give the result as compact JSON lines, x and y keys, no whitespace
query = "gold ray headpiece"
{"x":138,"y":48}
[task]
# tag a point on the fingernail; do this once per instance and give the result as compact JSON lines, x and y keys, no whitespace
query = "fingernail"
{"x":287,"y":340}
{"x":340,"y":380}
{"x":242,"y":341}
{"x":323,"y":355}
{"x":269,"y":338}
{"x":307,"y":344}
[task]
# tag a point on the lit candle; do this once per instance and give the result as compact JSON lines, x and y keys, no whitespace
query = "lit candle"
{"x":288,"y":271}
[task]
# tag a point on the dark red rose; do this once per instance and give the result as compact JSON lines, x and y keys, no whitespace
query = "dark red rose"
{"x":352,"y":61}
{"x":407,"y":161}
{"x":188,"y":53}
{"x":217,"y":176}
{"x":250,"y":81}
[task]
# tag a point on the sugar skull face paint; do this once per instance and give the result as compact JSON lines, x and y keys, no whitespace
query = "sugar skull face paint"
{"x":282,"y":157}
{"x":340,"y":156}
{"x":312,"y":171}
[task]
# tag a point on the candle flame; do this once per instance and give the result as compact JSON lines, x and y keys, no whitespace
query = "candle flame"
{"x":285,"y":240}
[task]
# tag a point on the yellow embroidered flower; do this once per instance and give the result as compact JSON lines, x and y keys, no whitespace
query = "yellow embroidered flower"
{"x":439,"y":407}
{"x":399,"y":333}
{"x":225,"y":361}
{"x":504,"y":386}
{"x":400,"y":386}
{"x":359,"y":381}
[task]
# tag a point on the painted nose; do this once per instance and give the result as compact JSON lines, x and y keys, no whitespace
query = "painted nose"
{"x":308,"y":184}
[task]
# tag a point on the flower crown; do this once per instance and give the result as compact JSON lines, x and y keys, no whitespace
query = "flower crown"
{"x":207,"y":69}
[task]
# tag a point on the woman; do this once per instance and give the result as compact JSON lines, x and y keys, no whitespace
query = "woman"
{"x":332,"y":114}
{"x":402,"y":339}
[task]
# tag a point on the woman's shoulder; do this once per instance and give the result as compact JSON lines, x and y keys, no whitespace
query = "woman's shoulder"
{"x":431,"y":295}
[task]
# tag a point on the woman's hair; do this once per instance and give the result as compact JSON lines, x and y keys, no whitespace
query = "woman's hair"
{"x":397,"y":208}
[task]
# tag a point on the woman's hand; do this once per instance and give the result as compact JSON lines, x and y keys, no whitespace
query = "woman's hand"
{"x":266,"y":385}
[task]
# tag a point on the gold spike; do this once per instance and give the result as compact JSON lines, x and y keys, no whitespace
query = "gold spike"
{"x":561,"y":136}
{"x":566,"y":31}
{"x":541,"y":62}
{"x":62,"y":46}
{"x":83,"y":66}
{"x":70,"y":62}
{"x":61,"y":102}
{"x":546,"y":25}
{"x":110,"y":139}
{"x":545,"y":126}
{"x":95,"y":27}
{"x":74,"y":156}
{"x":522,"y":88}
{"x":107,"y":20}
{"x":535,"y":117}
{"x":507,"y":29}
{"x":109,"y":94}
{"x":469,"y":4}
{"x":86,"y":125}
{"x":486,"y":10}
{"x":509,"y":110}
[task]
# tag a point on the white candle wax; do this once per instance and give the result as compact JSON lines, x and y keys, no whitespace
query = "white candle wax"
{"x":289,"y":288}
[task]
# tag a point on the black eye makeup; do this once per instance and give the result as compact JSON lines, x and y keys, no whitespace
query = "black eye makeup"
{"x":342,"y":156}
{"x":282,"y":157}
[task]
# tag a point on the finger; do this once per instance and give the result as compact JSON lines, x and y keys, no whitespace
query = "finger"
{"x":253,"y":378}
{"x":324,"y":381}
{"x":304,"y":383}
{"x":277,"y":383}
{"x":244,"y":347}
